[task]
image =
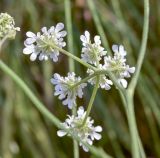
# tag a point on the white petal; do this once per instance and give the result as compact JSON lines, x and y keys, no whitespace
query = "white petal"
{"x":98,"y":129}
{"x":18,"y":29}
{"x":115,"y":48}
{"x":87,"y":34}
{"x":80,"y":111}
{"x":122,"y":51}
{"x":33,"y":56}
{"x":62,"y":34}
{"x":132,"y":69}
{"x":59,"y":27}
{"x":41,"y":57}
{"x":61,"y":133}
{"x":30,"y":41}
{"x":30,"y":34}
{"x":44,"y":29}
{"x":109,"y":82}
{"x":124,"y":83}
{"x":97,"y":40}
{"x":83,"y":38}
{"x":97,"y":136}
{"x":51,"y":30}
{"x":27,"y":50}
{"x":85,"y":148}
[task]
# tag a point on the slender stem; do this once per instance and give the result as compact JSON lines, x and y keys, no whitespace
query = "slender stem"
{"x":98,"y":25}
{"x":133,"y":128}
{"x":70,"y":32}
{"x":142,"y":52}
{"x":96,"y":151}
{"x":91,"y":100}
{"x":30,"y":94}
{"x":128,"y":103}
{"x":71,"y":62}
{"x":75,"y":58}
{"x":99,"y":72}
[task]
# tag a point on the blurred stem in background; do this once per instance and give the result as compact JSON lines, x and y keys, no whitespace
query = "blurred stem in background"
{"x":68,"y":17}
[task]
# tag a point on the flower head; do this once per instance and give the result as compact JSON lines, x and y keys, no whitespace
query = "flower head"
{"x":65,"y":89}
{"x":7,"y":26}
{"x":87,"y":133}
{"x":104,"y":82}
{"x":91,"y":52}
{"x":43,"y":44}
{"x":119,"y":62}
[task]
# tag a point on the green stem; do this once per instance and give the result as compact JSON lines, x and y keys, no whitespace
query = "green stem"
{"x":70,"y":32}
{"x":71,"y":62}
{"x":91,"y":100}
{"x":76,"y":58}
{"x":142,"y":52}
{"x":30,"y":94}
{"x":133,"y":127}
{"x":99,"y":72}
{"x":129,"y":108}
{"x":98,"y":25}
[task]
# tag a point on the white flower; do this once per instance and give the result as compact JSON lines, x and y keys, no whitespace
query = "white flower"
{"x":7,"y":26}
{"x":43,"y":44}
{"x":87,"y":133}
{"x":65,"y":90}
{"x":91,"y":52}
{"x":104,"y":83}
{"x":119,"y":62}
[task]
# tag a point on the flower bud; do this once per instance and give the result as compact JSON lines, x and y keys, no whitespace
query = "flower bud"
{"x":7,"y":26}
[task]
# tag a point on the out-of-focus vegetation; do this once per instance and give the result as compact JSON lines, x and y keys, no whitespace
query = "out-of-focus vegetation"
{"x":25,"y":133}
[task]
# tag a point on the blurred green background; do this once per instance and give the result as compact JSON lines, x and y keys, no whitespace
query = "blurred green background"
{"x":25,"y":133}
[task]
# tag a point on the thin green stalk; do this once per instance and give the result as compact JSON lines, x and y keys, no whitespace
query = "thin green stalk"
{"x":91,"y":100}
{"x":100,"y":72}
{"x":30,"y":94}
{"x":70,"y":32}
{"x":134,"y":81}
{"x":76,"y":58}
{"x":129,"y":109}
{"x":132,"y":127}
{"x":96,"y":151}
{"x":98,"y":25}
{"x":71,"y":61}
{"x":142,"y":52}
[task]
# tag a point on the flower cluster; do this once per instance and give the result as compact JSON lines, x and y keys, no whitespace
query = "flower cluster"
{"x":48,"y":43}
{"x":87,"y":133}
{"x":44,"y":44}
{"x":91,"y":52}
{"x":7,"y":26}
{"x":119,"y":61}
{"x":66,"y":90}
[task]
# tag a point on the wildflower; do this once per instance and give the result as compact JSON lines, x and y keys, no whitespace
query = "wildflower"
{"x":91,"y":52}
{"x":65,"y":89}
{"x":104,"y":82}
{"x":7,"y":26}
{"x":43,"y":44}
{"x":119,"y":61}
{"x":87,"y":133}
